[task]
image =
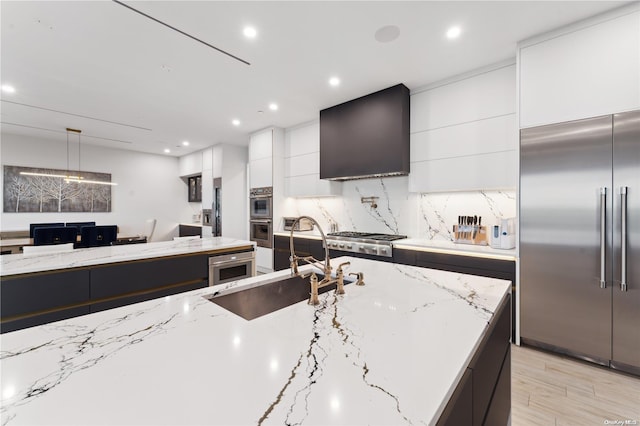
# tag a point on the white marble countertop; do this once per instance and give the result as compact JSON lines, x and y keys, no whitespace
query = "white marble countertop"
{"x":424,"y":244}
{"x":13,"y":264}
{"x":389,"y":352}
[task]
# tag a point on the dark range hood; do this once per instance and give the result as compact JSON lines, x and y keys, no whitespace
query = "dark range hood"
{"x":366,"y":137}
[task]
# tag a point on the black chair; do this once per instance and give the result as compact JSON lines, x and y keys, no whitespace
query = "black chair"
{"x":50,"y":235}
{"x":97,"y":236}
{"x":33,"y":226}
{"x":79,"y":225}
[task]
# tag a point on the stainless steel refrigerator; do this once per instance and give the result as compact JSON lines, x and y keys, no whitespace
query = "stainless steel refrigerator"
{"x":580,"y":239}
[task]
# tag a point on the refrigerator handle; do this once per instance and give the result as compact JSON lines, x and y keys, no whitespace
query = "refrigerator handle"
{"x":623,"y":248}
{"x":603,"y":233}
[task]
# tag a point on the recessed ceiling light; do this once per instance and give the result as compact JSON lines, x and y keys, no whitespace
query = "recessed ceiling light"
{"x":8,"y":89}
{"x":250,"y":32}
{"x":167,"y":150}
{"x":453,"y":32}
{"x":334,"y":81}
{"x":273,"y":107}
{"x":185,"y":143}
{"x":235,"y":122}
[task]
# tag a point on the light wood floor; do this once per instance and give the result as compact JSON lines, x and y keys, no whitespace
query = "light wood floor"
{"x":550,"y":389}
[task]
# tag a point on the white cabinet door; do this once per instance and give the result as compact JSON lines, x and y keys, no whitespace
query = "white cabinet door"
{"x":302,"y":164}
{"x":264,"y":260}
{"x":261,"y":173}
{"x":261,"y":145}
{"x":190,"y":164}
{"x":584,"y":73}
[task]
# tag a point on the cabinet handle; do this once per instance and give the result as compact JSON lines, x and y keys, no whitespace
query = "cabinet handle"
{"x":623,"y":230}
{"x":603,"y":238}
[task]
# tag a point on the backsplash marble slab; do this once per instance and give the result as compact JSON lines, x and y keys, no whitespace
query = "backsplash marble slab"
{"x":438,"y":212}
{"x":398,"y":211}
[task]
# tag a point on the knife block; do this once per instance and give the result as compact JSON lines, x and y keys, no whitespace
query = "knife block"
{"x":470,"y":234}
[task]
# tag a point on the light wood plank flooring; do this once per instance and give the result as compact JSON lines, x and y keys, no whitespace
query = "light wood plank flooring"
{"x":549,"y":389}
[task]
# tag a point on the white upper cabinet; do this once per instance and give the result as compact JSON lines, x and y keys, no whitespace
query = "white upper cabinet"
{"x":190,"y":164}
{"x":261,"y":159}
{"x":581,"y":71}
{"x":302,"y":164}
{"x":464,"y":135}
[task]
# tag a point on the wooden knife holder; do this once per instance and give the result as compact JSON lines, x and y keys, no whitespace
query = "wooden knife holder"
{"x":470,"y":234}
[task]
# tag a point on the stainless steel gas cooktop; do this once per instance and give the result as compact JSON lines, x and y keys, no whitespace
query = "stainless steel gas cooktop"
{"x":363,"y":242}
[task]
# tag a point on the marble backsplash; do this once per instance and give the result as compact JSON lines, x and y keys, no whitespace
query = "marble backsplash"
{"x":428,"y":216}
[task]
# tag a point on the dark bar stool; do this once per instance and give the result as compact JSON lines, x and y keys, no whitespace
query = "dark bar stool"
{"x":33,"y":226}
{"x":97,"y":236}
{"x":53,"y":235}
{"x":79,"y":225}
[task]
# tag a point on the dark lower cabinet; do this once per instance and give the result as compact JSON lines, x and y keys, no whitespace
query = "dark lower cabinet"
{"x":141,"y":297}
{"x":459,"y":410}
{"x":483,"y":395}
{"x":189,"y":231}
{"x":34,"y":299}
{"x":133,"y":277}
{"x":302,"y":246}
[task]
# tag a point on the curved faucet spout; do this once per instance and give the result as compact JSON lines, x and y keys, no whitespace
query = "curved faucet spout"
{"x":309,"y":259}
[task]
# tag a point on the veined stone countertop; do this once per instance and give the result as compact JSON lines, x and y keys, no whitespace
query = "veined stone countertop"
{"x":389,"y":352}
{"x":13,"y":264}
{"x":425,"y":244}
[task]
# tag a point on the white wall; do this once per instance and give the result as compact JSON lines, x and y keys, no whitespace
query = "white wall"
{"x":148,"y":187}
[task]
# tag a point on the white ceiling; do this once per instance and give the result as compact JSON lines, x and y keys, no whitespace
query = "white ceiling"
{"x":128,"y":82}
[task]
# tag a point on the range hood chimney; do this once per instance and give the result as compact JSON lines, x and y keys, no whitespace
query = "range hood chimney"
{"x":367,"y":137}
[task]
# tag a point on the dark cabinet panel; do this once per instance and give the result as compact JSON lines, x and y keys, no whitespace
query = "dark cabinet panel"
{"x":122,"y":301}
{"x":487,"y":363}
{"x":35,"y":320}
{"x":404,"y":257}
{"x":38,"y":292}
{"x":189,"y":231}
{"x":123,"y":278}
{"x":500,"y":407}
{"x":302,"y":246}
{"x":458,"y":410}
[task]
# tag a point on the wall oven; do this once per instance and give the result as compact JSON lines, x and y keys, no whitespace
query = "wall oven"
{"x":231,"y":267}
{"x":261,"y":231}
{"x":260,"y":202}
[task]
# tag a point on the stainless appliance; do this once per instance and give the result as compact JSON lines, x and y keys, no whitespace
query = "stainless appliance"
{"x":216,"y":207}
{"x":207,"y":217}
{"x":580,"y":239}
{"x":261,"y":232}
{"x":363,"y":242}
{"x":231,"y":267}
{"x":260,"y":202}
{"x":303,"y":224}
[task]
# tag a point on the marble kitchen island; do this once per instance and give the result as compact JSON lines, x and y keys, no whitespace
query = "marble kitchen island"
{"x":40,"y":288}
{"x":390,"y":352}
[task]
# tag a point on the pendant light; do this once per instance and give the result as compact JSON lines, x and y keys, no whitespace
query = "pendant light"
{"x":71,"y":176}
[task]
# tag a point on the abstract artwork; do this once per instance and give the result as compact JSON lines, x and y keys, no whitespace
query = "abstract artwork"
{"x":27,"y":193}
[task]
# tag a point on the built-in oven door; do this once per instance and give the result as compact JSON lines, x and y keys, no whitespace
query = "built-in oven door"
{"x":261,"y":232}
{"x":231,"y":267}
{"x":260,"y":207}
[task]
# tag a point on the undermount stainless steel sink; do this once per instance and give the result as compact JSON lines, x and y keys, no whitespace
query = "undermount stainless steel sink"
{"x":269,"y":297}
